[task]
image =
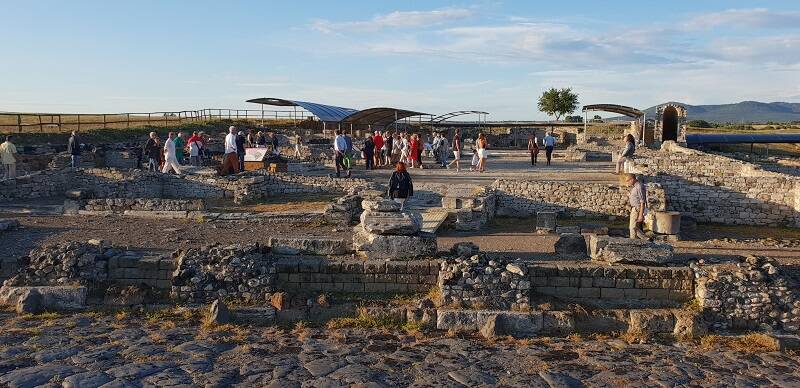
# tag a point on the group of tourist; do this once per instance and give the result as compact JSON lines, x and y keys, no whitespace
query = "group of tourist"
{"x":171,"y":155}
{"x":548,"y":142}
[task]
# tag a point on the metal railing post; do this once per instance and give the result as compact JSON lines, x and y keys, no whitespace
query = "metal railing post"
{"x":19,"y":123}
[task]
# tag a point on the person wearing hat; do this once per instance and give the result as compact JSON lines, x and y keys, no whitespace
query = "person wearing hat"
{"x":240,"y":149}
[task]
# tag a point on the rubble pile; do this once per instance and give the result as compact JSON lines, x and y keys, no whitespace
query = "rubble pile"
{"x":477,"y":282}
{"x":65,"y":263}
{"x":237,"y":271}
{"x":748,"y":295}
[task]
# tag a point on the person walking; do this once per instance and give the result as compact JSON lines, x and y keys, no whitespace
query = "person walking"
{"x":414,"y":151}
{"x":627,"y":153}
{"x":251,"y":139}
{"x":456,"y":151}
{"x":230,"y":161}
{"x":444,"y":150}
{"x":339,"y":148}
{"x":533,"y":148}
{"x":273,"y":140}
{"x":637,"y":199}
{"x":348,"y":153}
{"x":180,"y":145}
{"x":261,"y":140}
{"x":400,"y":185}
{"x":298,"y":142}
{"x":195,"y":145}
{"x":7,"y":155}
{"x":483,"y":153}
{"x":74,"y":149}
{"x":377,"y":142}
{"x":170,"y":155}
{"x":369,"y":153}
{"x":152,"y":148}
{"x":240,"y":150}
{"x":549,"y":142}
{"x":387,"y":149}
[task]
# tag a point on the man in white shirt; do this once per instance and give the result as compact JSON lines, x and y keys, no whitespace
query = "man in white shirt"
{"x":7,"y":152}
{"x":230,"y":162}
{"x":340,"y":147}
{"x":170,"y":156}
{"x":549,"y":142}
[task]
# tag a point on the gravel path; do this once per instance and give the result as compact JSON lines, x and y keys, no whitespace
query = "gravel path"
{"x":89,"y":350}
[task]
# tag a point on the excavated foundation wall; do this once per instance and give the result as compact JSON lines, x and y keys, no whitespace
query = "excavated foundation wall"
{"x":114,"y":183}
{"x":715,"y":188}
{"x":519,"y":198}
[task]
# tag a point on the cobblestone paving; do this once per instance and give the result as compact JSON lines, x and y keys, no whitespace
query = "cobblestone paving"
{"x":89,"y":350}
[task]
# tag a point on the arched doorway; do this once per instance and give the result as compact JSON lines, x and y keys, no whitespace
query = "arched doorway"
{"x":669,"y":124}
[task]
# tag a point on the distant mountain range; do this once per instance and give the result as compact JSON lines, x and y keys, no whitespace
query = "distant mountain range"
{"x":742,"y":112}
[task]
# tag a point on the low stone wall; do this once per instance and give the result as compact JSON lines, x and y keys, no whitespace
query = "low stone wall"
{"x":748,"y":295}
{"x":715,"y":188}
{"x":115,"y":183}
{"x":133,"y":269}
{"x":142,"y":204}
{"x":615,"y":283}
{"x":356,"y":276}
{"x":518,"y":198}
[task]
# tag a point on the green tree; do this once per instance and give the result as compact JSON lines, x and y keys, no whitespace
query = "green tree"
{"x":558,"y":103}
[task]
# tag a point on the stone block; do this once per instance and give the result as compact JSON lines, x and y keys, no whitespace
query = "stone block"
{"x":604,"y":282}
{"x":648,"y":283}
{"x":545,"y":221}
{"x":375,"y":266}
{"x":568,"y":229}
{"x":391,"y":223}
{"x":557,"y":322}
{"x":588,"y":292}
{"x":374,"y":246}
{"x":651,"y":321}
{"x":54,"y":298}
{"x":457,"y":320}
{"x":308,"y":245}
{"x":634,"y":293}
{"x":625,"y":283}
{"x":612,"y":293}
{"x":657,"y":293}
{"x":380,"y":205}
{"x":625,"y":250}
{"x":571,"y":245}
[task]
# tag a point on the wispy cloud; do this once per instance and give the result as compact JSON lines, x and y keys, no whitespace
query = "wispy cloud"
{"x":751,"y":18}
{"x":396,"y":19}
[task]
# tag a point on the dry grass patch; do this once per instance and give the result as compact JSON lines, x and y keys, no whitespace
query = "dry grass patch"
{"x":749,"y":343}
{"x":575,"y":338}
{"x":46,"y":316}
{"x":365,"y":320}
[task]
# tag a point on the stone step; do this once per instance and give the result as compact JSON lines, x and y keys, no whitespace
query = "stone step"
{"x":433,"y":218}
{"x":32,"y":209}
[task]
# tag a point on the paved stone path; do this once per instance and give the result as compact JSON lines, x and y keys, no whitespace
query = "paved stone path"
{"x":89,"y":350}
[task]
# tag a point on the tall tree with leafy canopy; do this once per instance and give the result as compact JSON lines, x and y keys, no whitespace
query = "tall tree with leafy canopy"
{"x":558,"y":103}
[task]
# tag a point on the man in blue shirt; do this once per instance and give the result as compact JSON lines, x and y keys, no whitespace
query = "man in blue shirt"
{"x":549,"y":142}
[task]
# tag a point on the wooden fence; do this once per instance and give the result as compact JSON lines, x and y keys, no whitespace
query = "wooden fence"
{"x":64,"y":122}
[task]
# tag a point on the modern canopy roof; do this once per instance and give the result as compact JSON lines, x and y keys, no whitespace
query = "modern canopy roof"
{"x":380,"y":116}
{"x":323,"y":112}
{"x":330,"y":113}
{"x":448,"y":116}
{"x":740,"y":138}
{"x":621,"y":109}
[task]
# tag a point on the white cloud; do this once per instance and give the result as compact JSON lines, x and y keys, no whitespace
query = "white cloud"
{"x":396,"y":19}
{"x":739,"y":18}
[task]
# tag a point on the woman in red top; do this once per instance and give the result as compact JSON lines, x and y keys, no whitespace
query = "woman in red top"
{"x":414,"y":154}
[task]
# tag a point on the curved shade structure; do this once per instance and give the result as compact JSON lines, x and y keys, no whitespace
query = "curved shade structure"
{"x":322,"y":111}
{"x":448,"y":116}
{"x":621,"y":109}
{"x":380,"y":116}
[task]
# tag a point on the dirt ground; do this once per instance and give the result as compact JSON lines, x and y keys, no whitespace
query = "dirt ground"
{"x":145,"y":234}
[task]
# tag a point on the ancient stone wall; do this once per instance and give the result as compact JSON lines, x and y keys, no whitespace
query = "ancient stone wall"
{"x":617,"y":282}
{"x":134,"y":270}
{"x":518,"y":198}
{"x":715,"y":188}
{"x":142,"y":204}
{"x":115,"y":183}
{"x":748,"y":295}
{"x":357,"y":276}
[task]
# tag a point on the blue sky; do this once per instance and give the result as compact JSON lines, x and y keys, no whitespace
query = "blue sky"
{"x":432,"y":56}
